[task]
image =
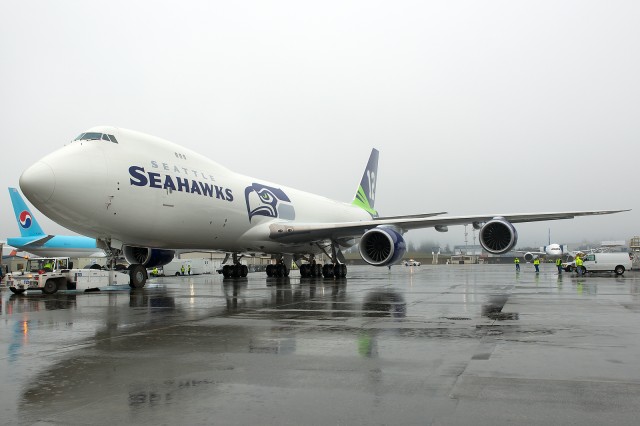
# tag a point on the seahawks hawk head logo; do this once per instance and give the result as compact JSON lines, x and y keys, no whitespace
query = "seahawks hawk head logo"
{"x":268,"y":201}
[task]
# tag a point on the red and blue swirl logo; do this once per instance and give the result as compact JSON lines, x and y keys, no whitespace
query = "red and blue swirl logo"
{"x":25,"y":219}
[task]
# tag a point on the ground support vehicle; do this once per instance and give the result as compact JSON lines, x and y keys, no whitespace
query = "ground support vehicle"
{"x":68,"y":279}
{"x":411,"y":262}
{"x":56,"y":273}
{"x":603,"y":262}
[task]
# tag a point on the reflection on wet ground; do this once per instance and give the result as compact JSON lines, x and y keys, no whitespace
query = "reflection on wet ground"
{"x":463,"y":344}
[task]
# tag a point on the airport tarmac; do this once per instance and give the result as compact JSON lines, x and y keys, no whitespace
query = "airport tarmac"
{"x":426,"y":345}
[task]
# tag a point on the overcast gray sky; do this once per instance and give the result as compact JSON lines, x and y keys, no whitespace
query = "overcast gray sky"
{"x":476,"y":106}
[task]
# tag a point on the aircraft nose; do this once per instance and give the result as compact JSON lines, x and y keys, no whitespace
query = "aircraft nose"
{"x":38,"y":182}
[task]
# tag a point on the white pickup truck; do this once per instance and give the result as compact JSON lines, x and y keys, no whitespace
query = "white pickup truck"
{"x":52,"y":274}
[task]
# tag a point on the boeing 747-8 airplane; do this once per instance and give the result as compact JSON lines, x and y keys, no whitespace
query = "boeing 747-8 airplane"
{"x":144,"y":197}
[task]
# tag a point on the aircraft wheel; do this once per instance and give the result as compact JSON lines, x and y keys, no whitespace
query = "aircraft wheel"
{"x":50,"y":287}
{"x":619,"y":270}
{"x":270,"y":270}
{"x":316,"y":271}
{"x":327,"y":271}
{"x":279,"y":270}
{"x":226,"y":271}
{"x":138,"y":275}
{"x":244,"y":271}
{"x":17,"y":290}
{"x":305,"y":270}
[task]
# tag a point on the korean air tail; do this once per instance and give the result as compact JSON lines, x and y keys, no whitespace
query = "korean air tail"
{"x":26,"y":221}
{"x":366,"y":194}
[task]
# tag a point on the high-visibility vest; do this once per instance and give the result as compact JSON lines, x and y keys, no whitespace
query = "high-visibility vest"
{"x":578,"y":261}
{"x":516,"y":260}
{"x":558,"y":262}
{"x":536,"y":262}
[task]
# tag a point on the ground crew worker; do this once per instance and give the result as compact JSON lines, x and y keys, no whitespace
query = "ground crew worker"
{"x":579,"y":265}
{"x":536,"y":263}
{"x":559,"y":265}
{"x":182,"y":269}
{"x":155,"y":271}
{"x":517,"y":262}
{"x":48,"y":266}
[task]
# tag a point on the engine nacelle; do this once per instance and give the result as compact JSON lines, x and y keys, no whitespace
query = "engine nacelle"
{"x":146,"y":256}
{"x":529,"y":257}
{"x":498,"y":236}
{"x":382,"y":246}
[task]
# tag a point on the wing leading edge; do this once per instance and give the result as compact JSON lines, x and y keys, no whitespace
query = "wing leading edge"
{"x":291,"y":232}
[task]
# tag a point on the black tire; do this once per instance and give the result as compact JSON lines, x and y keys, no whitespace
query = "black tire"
{"x":619,"y":270}
{"x":244,"y":271}
{"x":177,"y":274}
{"x":50,"y":287}
{"x":279,"y":272}
{"x":305,"y":270}
{"x":327,"y":270}
{"x":138,"y":275}
{"x":270,"y":270}
{"x":17,"y":290}
{"x":226,"y":271}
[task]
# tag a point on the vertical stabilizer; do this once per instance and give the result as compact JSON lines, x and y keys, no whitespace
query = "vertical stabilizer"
{"x":26,"y":221}
{"x":366,"y":194}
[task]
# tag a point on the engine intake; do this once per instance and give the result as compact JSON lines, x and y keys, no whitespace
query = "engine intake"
{"x":146,"y":256}
{"x":382,"y":246}
{"x":498,"y":236}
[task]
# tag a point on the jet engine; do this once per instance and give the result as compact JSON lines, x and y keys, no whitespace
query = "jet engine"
{"x":382,"y":246}
{"x":146,"y":256}
{"x":529,"y":257}
{"x":498,"y":236}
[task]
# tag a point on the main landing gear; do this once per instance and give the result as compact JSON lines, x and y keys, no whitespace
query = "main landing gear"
{"x":237,"y":270}
{"x":335,"y":269}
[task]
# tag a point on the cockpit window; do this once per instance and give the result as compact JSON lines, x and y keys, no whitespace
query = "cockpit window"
{"x":91,"y":136}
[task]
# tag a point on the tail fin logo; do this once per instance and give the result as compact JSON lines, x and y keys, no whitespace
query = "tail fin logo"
{"x":25,"y":219}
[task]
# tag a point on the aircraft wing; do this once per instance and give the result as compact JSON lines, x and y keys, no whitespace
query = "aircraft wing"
{"x":292,"y":232}
{"x":536,"y":253}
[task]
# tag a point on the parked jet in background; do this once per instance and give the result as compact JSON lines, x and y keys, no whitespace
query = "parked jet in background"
{"x":144,"y":196}
{"x":551,"y":250}
{"x":33,"y":239}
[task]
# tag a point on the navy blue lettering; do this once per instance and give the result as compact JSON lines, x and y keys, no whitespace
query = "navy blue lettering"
{"x":154,"y":180}
{"x":168,"y":183}
{"x":183,"y":184}
{"x":194,"y":187}
{"x":137,"y":172}
{"x":206,"y":189}
{"x":219,"y":194}
{"x":229,"y":194}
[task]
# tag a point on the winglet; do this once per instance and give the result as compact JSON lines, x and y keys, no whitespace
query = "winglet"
{"x":366,"y":194}
{"x":26,"y":220}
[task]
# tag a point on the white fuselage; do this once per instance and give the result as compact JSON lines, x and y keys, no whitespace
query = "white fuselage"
{"x":146,"y":191}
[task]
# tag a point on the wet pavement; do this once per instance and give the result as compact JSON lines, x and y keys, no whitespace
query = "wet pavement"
{"x":426,"y":345}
